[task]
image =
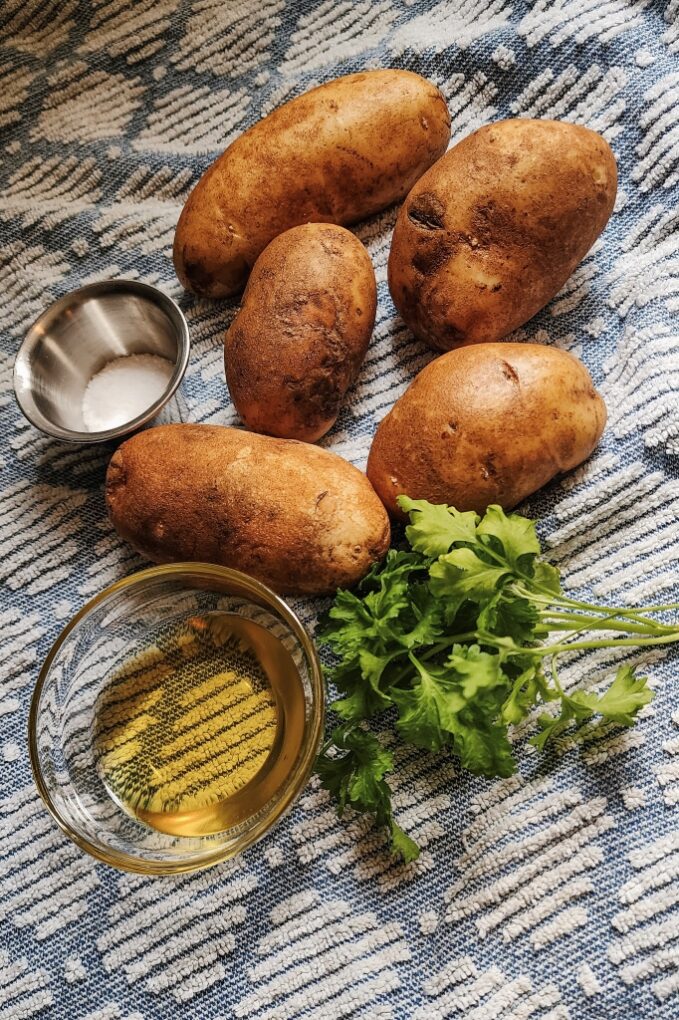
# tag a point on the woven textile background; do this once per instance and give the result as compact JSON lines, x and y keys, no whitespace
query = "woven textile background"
{"x":550,"y":895}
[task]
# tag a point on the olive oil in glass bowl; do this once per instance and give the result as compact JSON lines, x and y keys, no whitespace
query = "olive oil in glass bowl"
{"x":176,"y":718}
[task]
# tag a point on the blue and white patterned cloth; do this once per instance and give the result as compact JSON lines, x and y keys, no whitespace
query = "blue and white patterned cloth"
{"x":550,"y":895}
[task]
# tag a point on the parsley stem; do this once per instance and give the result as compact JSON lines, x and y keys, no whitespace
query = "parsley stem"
{"x":326,"y":746}
{"x":565,"y":621}
{"x":551,"y":598}
{"x":547,"y":598}
{"x":555,"y":675}
{"x":431,"y":652}
{"x":660,"y":608}
{"x":663,"y":639}
{"x":562,"y":600}
{"x":456,"y":639}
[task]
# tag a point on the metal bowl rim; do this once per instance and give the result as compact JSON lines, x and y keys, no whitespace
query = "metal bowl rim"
{"x":158,"y":297}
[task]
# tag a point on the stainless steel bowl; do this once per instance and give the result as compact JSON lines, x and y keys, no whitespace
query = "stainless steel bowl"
{"x":79,"y":334}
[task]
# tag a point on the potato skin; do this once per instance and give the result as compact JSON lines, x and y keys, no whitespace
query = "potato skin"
{"x":335,"y":154}
{"x":302,"y":331}
{"x":487,"y":424}
{"x":297,"y":517}
{"x":495,"y":228}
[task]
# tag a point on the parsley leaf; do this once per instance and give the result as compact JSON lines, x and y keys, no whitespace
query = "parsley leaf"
{"x":547,"y":576}
{"x":451,"y":635}
{"x":456,"y":705}
{"x":355,"y":778}
{"x":360,"y":700}
{"x":510,"y":615}
{"x":514,"y":537}
{"x":427,"y":708}
{"x":464,"y":574}
{"x":551,"y":726}
{"x":424,"y":623}
{"x":621,"y":702}
{"x":435,"y":527}
{"x":528,"y":688}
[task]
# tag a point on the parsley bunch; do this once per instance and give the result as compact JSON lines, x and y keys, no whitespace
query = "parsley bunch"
{"x":456,"y":635}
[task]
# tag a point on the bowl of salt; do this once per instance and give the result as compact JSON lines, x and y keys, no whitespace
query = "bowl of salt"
{"x":102,"y":362}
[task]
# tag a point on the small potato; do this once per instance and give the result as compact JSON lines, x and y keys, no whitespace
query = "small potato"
{"x":336,"y":154}
{"x":301,"y":334}
{"x":486,"y":424}
{"x":494,"y":229}
{"x":299,"y":518}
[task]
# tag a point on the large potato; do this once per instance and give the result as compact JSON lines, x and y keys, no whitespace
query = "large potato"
{"x":336,"y":154}
{"x":486,"y":424}
{"x":301,"y":334}
{"x":490,"y":234}
{"x":299,"y":518}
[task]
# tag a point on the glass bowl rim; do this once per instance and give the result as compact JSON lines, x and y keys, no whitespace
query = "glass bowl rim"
{"x":312,"y":736}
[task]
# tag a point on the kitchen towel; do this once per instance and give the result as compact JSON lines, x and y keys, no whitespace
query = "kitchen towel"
{"x":552,"y":894}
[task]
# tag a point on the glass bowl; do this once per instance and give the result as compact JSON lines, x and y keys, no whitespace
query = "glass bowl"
{"x":76,"y":709}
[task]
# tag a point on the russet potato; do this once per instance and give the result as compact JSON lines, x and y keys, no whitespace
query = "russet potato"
{"x":302,"y":331}
{"x":486,"y":424}
{"x":299,"y":518}
{"x":335,"y":154}
{"x":495,"y":228}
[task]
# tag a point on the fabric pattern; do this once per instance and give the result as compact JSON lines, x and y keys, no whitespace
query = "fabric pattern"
{"x":550,"y":895}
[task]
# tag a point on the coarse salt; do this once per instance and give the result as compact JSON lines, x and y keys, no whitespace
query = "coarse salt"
{"x":123,"y":389}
